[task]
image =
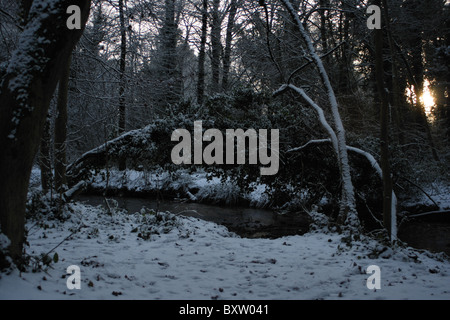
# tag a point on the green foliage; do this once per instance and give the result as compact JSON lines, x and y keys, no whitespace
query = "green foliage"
{"x":40,"y":262}
{"x":306,"y":178}
{"x":48,"y":205}
{"x":245,"y":109}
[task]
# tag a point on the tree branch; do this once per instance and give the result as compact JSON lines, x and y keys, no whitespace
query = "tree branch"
{"x":319,"y":110}
{"x":310,"y":61}
{"x":418,"y":187}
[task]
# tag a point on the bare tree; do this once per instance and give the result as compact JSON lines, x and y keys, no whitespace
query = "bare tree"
{"x":61,"y":130}
{"x":202,"y":54}
{"x":384,"y":128}
{"x":122,"y":65}
{"x":348,"y":213}
{"x":228,"y":44}
{"x":216,"y":46}
{"x":44,"y":158}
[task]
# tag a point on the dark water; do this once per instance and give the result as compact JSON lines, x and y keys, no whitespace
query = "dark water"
{"x":247,"y":222}
{"x":431,"y":235}
{"x":420,"y":233}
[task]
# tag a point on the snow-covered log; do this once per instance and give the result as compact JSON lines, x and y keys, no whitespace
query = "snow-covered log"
{"x":136,"y":144}
{"x":75,"y":190}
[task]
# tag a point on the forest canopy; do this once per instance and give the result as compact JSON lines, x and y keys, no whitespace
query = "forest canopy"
{"x":144,"y":68}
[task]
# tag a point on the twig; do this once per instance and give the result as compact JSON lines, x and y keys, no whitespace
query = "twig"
{"x":310,"y":61}
{"x":418,"y":187}
{"x":269,"y":47}
{"x":427,"y":213}
{"x":370,"y":211}
{"x":65,"y":239}
{"x":308,"y":143}
{"x":12,"y":18}
{"x":108,"y":206}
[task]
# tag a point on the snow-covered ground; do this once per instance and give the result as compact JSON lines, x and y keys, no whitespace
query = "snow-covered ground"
{"x":148,"y":256}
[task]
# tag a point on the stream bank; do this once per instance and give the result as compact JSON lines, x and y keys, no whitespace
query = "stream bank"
{"x":430,"y":232}
{"x":244,"y":221}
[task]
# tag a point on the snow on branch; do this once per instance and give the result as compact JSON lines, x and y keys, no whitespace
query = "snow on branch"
{"x":307,"y":144}
{"x":321,"y":115}
{"x":368,"y":156}
{"x":337,"y":136}
{"x":376,"y":167}
{"x":323,"y":121}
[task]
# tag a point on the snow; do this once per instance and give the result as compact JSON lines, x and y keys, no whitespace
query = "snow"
{"x":440,"y":193}
{"x":348,"y":201}
{"x":28,"y":59}
{"x":323,"y":121}
{"x":212,"y":189}
{"x":438,"y":190}
{"x":162,"y":256}
{"x":151,"y":256}
{"x":4,"y":241}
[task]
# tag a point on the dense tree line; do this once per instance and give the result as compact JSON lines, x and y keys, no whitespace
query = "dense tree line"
{"x":143,"y":62}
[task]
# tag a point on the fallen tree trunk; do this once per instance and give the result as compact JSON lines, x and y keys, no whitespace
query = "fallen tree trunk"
{"x":148,"y":147}
{"x":131,"y":145}
{"x":74,"y":191}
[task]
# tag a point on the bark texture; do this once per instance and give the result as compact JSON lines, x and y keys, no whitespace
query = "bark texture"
{"x":25,"y":92}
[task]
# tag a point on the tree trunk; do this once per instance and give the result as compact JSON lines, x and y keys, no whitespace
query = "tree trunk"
{"x":171,"y":75}
{"x":228,"y":42}
{"x":216,"y":47}
{"x":61,"y":130}
{"x":25,"y":93}
{"x":123,"y":53}
{"x":25,"y":6}
{"x":44,"y":158}
{"x":348,"y":212}
{"x":396,"y":92}
{"x":384,"y":129}
{"x":202,"y":54}
{"x":323,"y":28}
{"x":344,"y":74}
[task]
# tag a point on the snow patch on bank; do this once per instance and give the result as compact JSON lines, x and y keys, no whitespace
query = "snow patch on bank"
{"x":183,"y":182}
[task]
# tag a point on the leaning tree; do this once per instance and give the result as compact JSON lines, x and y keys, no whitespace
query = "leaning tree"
{"x":336,"y":131}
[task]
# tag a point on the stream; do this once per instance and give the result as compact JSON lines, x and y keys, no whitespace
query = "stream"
{"x":244,"y":221}
{"x":422,"y":233}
